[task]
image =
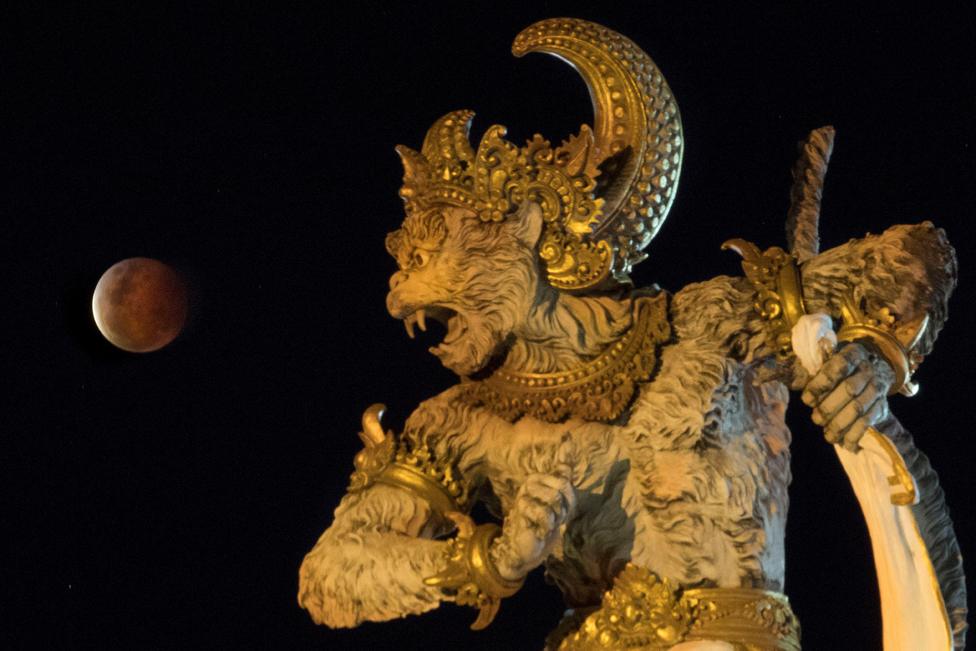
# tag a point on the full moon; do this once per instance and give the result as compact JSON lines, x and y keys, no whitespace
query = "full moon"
{"x":140,"y":304}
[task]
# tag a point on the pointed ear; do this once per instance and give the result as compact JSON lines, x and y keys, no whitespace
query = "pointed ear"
{"x":527,"y":224}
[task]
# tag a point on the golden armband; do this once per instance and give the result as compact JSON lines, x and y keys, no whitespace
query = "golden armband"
{"x":471,"y":576}
{"x":412,"y":468}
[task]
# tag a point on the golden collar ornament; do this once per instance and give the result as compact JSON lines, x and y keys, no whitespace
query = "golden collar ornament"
{"x":598,"y":390}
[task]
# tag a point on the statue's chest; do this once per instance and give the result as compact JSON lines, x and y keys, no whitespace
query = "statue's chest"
{"x":510,"y":452}
{"x":697,"y":399}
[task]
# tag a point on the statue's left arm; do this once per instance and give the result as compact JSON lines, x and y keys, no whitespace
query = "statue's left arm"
{"x":887,"y":295}
{"x":890,"y":293}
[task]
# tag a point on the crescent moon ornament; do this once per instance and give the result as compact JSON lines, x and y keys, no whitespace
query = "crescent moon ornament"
{"x":637,"y":136}
{"x":604,"y":192}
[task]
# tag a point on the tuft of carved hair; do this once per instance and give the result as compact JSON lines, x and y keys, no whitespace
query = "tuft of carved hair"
{"x":910,"y":269}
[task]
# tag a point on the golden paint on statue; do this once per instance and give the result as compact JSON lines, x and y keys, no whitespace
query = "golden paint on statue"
{"x":631,"y":440}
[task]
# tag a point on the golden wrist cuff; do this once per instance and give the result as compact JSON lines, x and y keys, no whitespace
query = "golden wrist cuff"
{"x":483,"y":568}
{"x":419,"y":484}
{"x":886,"y":344}
{"x":470,"y":575}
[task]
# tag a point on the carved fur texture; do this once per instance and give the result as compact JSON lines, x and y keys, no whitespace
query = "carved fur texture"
{"x":691,"y":482}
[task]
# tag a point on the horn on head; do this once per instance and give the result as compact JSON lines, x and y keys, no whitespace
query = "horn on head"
{"x":637,"y":139}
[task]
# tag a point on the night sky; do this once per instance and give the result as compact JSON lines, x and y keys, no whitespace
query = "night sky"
{"x":165,"y":500}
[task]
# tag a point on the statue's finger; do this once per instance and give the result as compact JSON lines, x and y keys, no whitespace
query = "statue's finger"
{"x":854,"y":434}
{"x":831,"y":405}
{"x":540,"y":517}
{"x":560,"y":492}
{"x":850,"y":387}
{"x":855,"y":409}
{"x":841,"y":364}
{"x":568,"y":492}
{"x":566,"y":456}
{"x":545,"y":495}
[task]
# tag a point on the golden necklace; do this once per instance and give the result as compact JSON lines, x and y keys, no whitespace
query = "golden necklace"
{"x":598,"y":390}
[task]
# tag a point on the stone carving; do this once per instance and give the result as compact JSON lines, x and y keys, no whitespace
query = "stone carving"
{"x":631,"y":440}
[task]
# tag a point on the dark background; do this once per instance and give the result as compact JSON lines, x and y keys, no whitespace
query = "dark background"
{"x":165,"y":501}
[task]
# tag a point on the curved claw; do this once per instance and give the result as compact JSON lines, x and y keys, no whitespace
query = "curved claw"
{"x":372,"y":433}
{"x":452,"y":577}
{"x":465,"y":524}
{"x":486,"y":615}
{"x":747,"y":250}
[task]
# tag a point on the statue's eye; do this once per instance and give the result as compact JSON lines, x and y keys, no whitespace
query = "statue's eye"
{"x":419,"y":259}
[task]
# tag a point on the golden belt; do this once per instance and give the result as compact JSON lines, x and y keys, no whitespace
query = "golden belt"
{"x":644,"y":612}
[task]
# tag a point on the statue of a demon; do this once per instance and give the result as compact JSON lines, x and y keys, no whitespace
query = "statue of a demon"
{"x":633,"y":440}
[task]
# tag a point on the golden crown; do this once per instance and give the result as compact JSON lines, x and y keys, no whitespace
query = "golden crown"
{"x":604,"y":193}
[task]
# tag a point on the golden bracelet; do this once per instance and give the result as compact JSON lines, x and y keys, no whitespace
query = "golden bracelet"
{"x":471,"y":576}
{"x":383,"y":461}
{"x":886,"y":344}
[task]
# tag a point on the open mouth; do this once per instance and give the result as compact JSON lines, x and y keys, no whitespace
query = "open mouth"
{"x":453,"y":321}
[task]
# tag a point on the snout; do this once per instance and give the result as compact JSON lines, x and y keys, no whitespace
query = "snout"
{"x":396,"y":305}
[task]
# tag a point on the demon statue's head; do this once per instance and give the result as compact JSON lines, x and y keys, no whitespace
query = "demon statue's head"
{"x":492,"y":233}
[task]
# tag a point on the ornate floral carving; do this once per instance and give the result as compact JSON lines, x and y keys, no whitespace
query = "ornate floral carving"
{"x":779,"y":296}
{"x":643,"y":611}
{"x":640,"y":612}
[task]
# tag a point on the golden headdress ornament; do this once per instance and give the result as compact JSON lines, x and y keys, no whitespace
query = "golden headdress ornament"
{"x":604,"y":192}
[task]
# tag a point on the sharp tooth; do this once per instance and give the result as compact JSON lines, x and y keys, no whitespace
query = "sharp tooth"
{"x":422,"y":319}
{"x":408,"y":324}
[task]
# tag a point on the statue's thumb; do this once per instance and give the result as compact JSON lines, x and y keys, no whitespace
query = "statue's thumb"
{"x":566,"y":458}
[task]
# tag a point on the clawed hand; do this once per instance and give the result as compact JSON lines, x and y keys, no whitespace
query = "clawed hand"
{"x":544,"y":503}
{"x":849,"y":394}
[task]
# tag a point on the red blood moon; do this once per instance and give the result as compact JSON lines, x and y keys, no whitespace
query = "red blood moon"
{"x":140,"y":304}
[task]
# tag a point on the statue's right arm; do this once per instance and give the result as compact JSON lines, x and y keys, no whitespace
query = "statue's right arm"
{"x":370,"y":565}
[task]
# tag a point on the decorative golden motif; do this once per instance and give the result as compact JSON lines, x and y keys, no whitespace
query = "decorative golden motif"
{"x":498,"y":178}
{"x":637,"y":139}
{"x":410,"y":467}
{"x":779,"y":295}
{"x":598,"y":390}
{"x":645,"y":612}
{"x":635,"y":150}
{"x":470,"y":576}
{"x":378,"y":450}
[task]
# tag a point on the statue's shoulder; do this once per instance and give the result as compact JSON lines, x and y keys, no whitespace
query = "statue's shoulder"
{"x":719,"y":309}
{"x":444,"y":421}
{"x":440,"y":409}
